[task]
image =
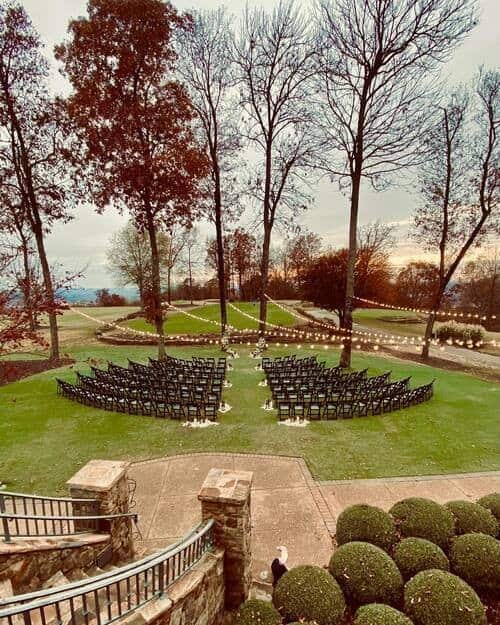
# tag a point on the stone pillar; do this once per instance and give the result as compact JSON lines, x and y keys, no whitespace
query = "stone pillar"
{"x":106,"y":481}
{"x":225,"y":497}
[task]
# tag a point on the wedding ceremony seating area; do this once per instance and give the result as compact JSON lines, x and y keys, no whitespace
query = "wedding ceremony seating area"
{"x":186,"y":390}
{"x":305,"y":388}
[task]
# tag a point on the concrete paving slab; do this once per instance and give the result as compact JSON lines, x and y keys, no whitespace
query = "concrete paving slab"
{"x":437,"y":490}
{"x":339,"y":496}
{"x":290,"y":508}
{"x":273,"y":473}
{"x":187,"y":474}
{"x":476,"y":487}
{"x":175,"y":516}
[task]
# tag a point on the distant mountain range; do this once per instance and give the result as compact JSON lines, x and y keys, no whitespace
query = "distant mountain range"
{"x":84,"y":295}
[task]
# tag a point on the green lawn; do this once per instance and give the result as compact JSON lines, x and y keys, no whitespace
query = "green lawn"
{"x":44,"y":439}
{"x":390,"y":321}
{"x":178,"y":323}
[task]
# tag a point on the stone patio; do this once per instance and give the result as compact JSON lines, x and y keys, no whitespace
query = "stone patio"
{"x":288,"y":507}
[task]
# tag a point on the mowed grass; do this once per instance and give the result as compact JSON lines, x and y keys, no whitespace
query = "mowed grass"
{"x":44,"y":439}
{"x":179,"y":323}
{"x":391,"y":321}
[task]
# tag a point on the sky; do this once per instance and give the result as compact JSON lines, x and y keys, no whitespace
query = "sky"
{"x":83,"y":241}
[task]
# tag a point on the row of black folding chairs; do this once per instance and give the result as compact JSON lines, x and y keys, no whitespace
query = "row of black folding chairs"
{"x":345,"y":395}
{"x":358,"y":408}
{"x":167,"y":393}
{"x":195,"y":363}
{"x":172,"y":409}
{"x":339,"y":393}
{"x":207,"y":384}
{"x":352,"y":379}
{"x":290,"y":362}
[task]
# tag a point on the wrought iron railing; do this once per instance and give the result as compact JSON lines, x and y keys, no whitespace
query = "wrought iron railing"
{"x":103,"y":599}
{"x":27,"y":516}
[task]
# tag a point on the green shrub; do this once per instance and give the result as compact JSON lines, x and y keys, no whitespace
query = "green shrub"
{"x":471,"y":518}
{"x":466,"y":332}
{"x":439,"y":598}
{"x":366,"y":574}
{"x":423,"y":518}
{"x":311,"y":594}
{"x":255,"y":611}
{"x":413,"y":555}
{"x":492,"y":502}
{"x":380,"y":614}
{"x":368,"y":524}
{"x":476,"y":559}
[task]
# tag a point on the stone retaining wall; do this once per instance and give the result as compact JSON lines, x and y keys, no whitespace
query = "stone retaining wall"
{"x":29,"y":564}
{"x":195,"y":599}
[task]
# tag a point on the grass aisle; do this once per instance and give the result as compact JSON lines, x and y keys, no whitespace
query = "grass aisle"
{"x":44,"y":439}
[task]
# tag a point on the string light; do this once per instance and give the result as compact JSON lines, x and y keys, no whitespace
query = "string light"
{"x":424,"y":311}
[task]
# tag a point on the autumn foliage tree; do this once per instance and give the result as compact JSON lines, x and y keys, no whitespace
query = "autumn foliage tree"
{"x":323,"y":281}
{"x":133,"y":120}
{"x":36,"y":187}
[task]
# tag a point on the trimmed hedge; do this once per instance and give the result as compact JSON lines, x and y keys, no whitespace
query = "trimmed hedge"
{"x":413,"y":555}
{"x":492,"y":502}
{"x":466,"y":332}
{"x":366,"y":574}
{"x":380,"y":614}
{"x":367,"y":524}
{"x":256,"y":611}
{"x":309,"y":593}
{"x":476,"y":559}
{"x":472,"y":518}
{"x":440,"y":598}
{"x":422,"y":518}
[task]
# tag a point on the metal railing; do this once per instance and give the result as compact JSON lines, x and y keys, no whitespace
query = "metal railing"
{"x":28,"y":516}
{"x":103,"y":599}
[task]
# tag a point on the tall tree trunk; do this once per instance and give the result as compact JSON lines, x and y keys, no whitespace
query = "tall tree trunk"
{"x":264,"y":279}
{"x":190,"y":277}
{"x":47,"y":281}
{"x":169,"y":285}
{"x":155,"y":274}
{"x":345,"y":356}
{"x":27,"y":288}
{"x":219,"y":236}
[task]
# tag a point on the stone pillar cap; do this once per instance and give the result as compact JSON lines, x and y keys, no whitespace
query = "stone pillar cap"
{"x":227,"y":486}
{"x":98,"y":475}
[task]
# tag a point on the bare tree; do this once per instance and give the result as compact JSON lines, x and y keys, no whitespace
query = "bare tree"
{"x":274,"y":54}
{"x":129,"y":258}
{"x":191,"y":258}
{"x":209,"y":76}
{"x":479,"y":286}
{"x":376,"y":59}
{"x":460,"y":182}
{"x":175,"y":242}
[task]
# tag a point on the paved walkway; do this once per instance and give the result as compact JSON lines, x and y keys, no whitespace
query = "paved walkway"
{"x":288,"y":507}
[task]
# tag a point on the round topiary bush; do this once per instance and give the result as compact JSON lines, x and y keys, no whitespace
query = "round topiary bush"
{"x":413,"y":555}
{"x":367,"y":524}
{"x":309,"y":593}
{"x":492,"y":502}
{"x":440,"y":598}
{"x":471,"y":518}
{"x":380,"y":614}
{"x":256,"y":611}
{"x":476,"y":559}
{"x":423,"y":518}
{"x":366,"y":574}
